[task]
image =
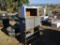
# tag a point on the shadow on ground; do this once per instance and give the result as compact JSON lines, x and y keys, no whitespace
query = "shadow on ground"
{"x":49,"y":37}
{"x":4,"y":30}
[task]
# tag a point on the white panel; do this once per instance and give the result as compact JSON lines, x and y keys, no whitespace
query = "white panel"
{"x":44,"y":18}
{"x":56,"y":23}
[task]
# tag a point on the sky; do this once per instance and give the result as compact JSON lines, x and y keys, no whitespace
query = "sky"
{"x":45,"y":1}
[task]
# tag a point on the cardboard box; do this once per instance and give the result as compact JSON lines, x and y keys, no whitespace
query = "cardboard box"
{"x":27,"y":13}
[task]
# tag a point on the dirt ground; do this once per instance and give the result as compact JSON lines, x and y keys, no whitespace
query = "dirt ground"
{"x":7,"y":40}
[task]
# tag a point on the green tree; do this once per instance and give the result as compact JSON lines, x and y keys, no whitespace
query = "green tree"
{"x":5,"y":4}
{"x":8,"y":3}
{"x":20,"y":2}
{"x":12,"y":3}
